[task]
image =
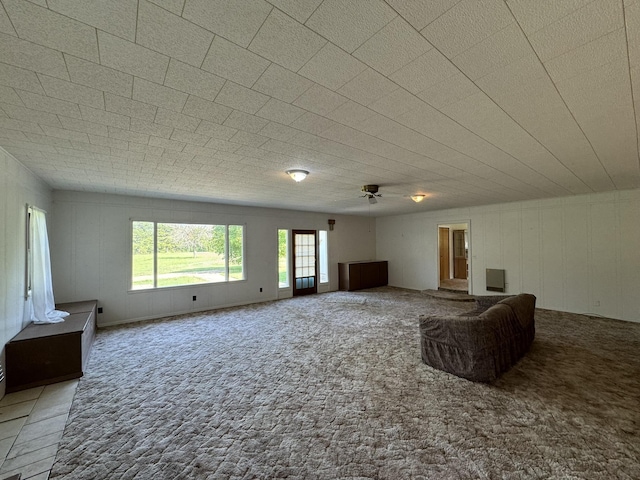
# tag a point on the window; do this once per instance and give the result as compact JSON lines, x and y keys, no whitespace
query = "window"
{"x":283,"y":258}
{"x":323,"y":257}
{"x":174,"y":254}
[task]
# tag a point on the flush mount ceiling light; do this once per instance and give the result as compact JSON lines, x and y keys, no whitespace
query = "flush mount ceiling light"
{"x":297,"y":175}
{"x":417,"y":198}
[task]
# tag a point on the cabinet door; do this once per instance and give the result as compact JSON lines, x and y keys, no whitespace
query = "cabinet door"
{"x":355,"y":276}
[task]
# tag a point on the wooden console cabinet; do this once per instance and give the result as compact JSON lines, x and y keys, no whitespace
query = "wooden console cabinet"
{"x":44,"y":354}
{"x":366,"y":274}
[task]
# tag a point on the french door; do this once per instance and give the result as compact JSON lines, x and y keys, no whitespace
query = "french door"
{"x":305,"y":269}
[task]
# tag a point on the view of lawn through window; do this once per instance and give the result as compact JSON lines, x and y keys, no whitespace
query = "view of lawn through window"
{"x":283,"y":258}
{"x":173,"y":254}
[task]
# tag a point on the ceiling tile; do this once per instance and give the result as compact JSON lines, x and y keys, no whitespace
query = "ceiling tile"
{"x":298,"y":9}
{"x":215,"y":130}
{"x":368,"y":87}
{"x":104,"y":117}
{"x":466,"y":24}
{"x":377,"y":124}
{"x":97,"y":76}
{"x":154,"y":94}
{"x":190,"y":137}
{"x":589,"y":56}
{"x":532,"y":16}
{"x":45,"y":27}
{"x":281,"y":83}
{"x":420,"y":13}
{"x":494,"y":52}
{"x":198,"y":107}
{"x":176,"y":120}
{"x":350,"y":24}
{"x":128,"y":135}
{"x":166,"y":144}
{"x":632,"y":20}
{"x":130,"y":108}
{"x":320,"y":100}
{"x":222,"y":145}
{"x":332,"y":67}
{"x":250,"y":139}
{"x":396,"y":103}
{"x":5,"y":24}
{"x":172,"y":35}
{"x":286,"y":42}
{"x":19,"y":112}
{"x":449,"y":91}
{"x":424,"y":72}
{"x":9,"y":95}
{"x":186,"y":78}
{"x":83,"y":126}
{"x":393,"y":47}
{"x":350,"y":113}
{"x":108,"y":142}
{"x":240,"y":98}
{"x":140,"y":148}
{"x":245,"y":122}
{"x":63,"y":90}
{"x":236,"y":21}
{"x":115,"y":16}
{"x":582,"y":26}
{"x":234,"y":63}
{"x":174,"y":6}
{"x":20,"y":125}
{"x":62,"y":133}
{"x":150,"y":128}
{"x":131,"y":58}
{"x":279,"y":111}
{"x":20,"y":78}
{"x":20,"y":53}
{"x":312,"y":123}
{"x":47,"y":104}
{"x":278,"y":131}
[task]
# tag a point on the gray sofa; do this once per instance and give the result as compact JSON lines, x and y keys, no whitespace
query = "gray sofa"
{"x":481,"y":345}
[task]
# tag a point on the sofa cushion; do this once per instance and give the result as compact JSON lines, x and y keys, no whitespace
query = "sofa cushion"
{"x":523,"y":307}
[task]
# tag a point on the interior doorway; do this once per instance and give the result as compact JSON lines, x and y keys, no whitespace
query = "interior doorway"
{"x":305,"y":272}
{"x":453,"y":257}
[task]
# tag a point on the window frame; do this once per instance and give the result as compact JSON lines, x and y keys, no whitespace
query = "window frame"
{"x":155,"y":287}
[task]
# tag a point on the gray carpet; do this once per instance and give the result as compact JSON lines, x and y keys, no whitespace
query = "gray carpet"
{"x":332,"y":386}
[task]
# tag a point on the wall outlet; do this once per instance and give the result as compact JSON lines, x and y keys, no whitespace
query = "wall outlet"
{"x":194,"y":298}
{"x":99,"y":309}
{"x":260,"y":289}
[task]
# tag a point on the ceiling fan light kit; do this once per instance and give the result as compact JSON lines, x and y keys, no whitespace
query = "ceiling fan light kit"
{"x":297,"y":174}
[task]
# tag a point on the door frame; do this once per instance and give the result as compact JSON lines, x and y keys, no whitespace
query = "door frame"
{"x":310,"y":290}
{"x":450,"y":225}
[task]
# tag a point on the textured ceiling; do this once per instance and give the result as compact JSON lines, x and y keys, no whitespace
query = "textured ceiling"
{"x":469,"y":102}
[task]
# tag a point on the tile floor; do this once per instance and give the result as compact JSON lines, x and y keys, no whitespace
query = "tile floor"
{"x":31,"y":426}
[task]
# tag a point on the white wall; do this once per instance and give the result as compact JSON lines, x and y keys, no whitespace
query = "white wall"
{"x":18,"y":186}
{"x":90,"y":242}
{"x":578,"y":254}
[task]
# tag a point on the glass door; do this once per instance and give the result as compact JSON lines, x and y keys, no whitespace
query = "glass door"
{"x":304,"y":262}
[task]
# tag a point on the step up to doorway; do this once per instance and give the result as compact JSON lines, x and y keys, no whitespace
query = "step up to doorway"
{"x":449,"y":295}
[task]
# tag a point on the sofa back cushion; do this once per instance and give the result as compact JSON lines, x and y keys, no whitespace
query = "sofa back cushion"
{"x":523,"y":307}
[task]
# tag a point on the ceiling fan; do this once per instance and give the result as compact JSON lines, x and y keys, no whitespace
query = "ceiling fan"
{"x":371,"y":192}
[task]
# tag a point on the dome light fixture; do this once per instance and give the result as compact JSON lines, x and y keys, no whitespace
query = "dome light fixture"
{"x":417,"y":198}
{"x":297,"y":175}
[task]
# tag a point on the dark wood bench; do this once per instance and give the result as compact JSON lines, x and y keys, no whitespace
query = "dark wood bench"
{"x":44,"y":354}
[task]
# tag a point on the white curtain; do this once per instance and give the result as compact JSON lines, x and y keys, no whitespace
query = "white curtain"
{"x":42,"y":306}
